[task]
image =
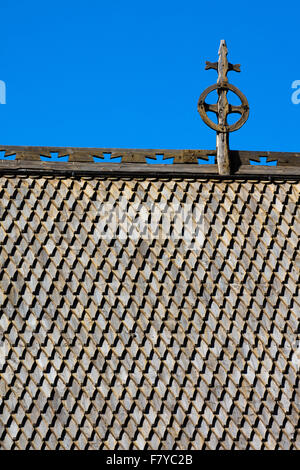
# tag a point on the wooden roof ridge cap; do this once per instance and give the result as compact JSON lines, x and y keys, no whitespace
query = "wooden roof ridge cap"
{"x":87,"y":154}
{"x":116,"y":170}
{"x":120,"y":161}
{"x":37,"y":148}
{"x":182,"y":155}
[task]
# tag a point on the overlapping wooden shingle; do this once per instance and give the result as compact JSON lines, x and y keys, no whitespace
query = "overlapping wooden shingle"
{"x":147,"y":342}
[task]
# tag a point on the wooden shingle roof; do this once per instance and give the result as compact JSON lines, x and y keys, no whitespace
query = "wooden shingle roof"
{"x":148,"y":342}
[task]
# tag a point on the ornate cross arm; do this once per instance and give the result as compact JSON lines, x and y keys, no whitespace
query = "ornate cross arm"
{"x":214,"y":65}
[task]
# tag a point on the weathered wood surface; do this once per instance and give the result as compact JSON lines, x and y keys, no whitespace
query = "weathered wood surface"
{"x":81,"y":154}
{"x":176,"y":170}
{"x":222,"y":146}
{"x":223,"y":108}
{"x":284,"y":159}
{"x":222,"y":139}
{"x":110,"y":341}
{"x":125,"y":169}
{"x":238,"y":158}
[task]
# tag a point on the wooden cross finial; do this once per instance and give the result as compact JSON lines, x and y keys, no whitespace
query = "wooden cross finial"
{"x":222,"y":142}
{"x":223,"y":108}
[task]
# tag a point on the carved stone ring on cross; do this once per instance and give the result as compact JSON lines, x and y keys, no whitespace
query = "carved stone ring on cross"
{"x":242,"y":109}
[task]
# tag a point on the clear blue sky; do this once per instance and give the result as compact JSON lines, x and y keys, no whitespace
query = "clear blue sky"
{"x":129,"y":73}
